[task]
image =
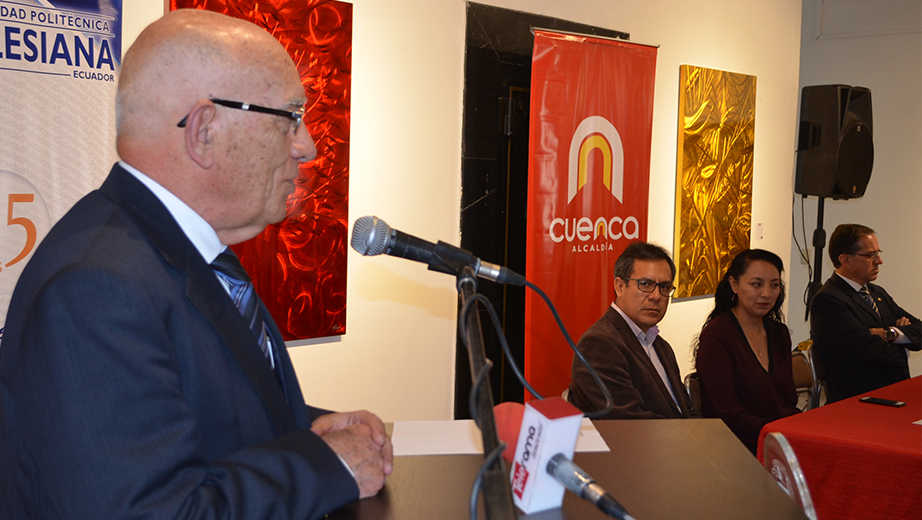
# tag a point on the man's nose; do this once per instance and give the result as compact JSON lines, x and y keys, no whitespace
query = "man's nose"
{"x":302,"y":146}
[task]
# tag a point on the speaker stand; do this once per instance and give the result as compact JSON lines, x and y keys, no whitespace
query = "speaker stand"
{"x":819,"y":242}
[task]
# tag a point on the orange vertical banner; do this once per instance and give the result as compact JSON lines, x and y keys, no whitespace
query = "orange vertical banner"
{"x":588,"y":183}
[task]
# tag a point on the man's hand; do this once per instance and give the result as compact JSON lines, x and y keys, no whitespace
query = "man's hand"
{"x":877,"y":331}
{"x":902,"y":322}
{"x":360,"y":439}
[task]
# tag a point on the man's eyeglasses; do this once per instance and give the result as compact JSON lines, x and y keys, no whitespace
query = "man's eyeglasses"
{"x":647,"y":286}
{"x":295,"y":116}
{"x":872,"y":254}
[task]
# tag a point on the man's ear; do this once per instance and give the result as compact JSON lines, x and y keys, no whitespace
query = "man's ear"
{"x":844,"y":259}
{"x":199,"y":134}
{"x":619,"y":286}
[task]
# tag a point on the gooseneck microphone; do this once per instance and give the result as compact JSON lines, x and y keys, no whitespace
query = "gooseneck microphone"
{"x":372,"y":236}
{"x":578,"y":481}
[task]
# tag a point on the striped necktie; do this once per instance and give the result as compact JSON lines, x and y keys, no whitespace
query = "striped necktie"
{"x":868,"y":298}
{"x":238,"y":284}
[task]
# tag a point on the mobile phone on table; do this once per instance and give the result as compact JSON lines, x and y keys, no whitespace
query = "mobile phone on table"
{"x":885,"y":402}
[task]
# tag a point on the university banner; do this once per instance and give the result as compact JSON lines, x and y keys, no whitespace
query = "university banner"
{"x":59,"y":64}
{"x":588,"y":184}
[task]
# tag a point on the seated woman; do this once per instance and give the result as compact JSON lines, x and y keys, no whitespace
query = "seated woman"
{"x":743,"y":354}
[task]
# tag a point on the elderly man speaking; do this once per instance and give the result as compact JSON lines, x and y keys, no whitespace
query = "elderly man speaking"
{"x":140,"y":375}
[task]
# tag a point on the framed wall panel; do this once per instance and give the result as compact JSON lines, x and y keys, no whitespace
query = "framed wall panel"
{"x":713,"y":175}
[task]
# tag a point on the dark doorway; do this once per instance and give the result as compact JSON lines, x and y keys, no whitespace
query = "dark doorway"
{"x":494,"y":174}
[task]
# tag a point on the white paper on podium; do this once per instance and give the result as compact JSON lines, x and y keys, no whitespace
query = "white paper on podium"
{"x":463,"y":437}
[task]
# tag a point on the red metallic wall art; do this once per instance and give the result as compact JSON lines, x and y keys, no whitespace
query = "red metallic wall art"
{"x":299,"y":265}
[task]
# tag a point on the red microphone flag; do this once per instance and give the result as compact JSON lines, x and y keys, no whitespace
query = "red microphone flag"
{"x":549,"y":426}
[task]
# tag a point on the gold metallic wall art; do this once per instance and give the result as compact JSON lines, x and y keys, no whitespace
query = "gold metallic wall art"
{"x":714,"y":175}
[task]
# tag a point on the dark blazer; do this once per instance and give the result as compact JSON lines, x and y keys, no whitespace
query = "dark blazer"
{"x":131,"y":387}
{"x":622,"y":363}
{"x":734,"y":385}
{"x":855,"y":360}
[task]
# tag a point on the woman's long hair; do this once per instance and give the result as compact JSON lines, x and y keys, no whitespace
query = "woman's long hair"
{"x":724,"y":297}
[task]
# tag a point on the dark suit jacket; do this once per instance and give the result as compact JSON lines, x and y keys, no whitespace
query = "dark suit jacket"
{"x":622,"y":363}
{"x":855,"y":360}
{"x":131,"y":387}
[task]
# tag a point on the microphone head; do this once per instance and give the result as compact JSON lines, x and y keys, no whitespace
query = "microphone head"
{"x":370,"y":236}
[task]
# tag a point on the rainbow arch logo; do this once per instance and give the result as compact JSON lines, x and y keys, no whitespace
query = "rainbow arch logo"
{"x":596,"y":133}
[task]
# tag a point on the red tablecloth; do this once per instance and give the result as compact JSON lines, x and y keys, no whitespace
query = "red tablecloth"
{"x":861,"y":460}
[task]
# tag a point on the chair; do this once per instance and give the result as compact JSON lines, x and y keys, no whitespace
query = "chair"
{"x":693,"y":387}
{"x":781,"y":462}
{"x":808,"y":373}
{"x":803,"y":379}
{"x":819,"y":374}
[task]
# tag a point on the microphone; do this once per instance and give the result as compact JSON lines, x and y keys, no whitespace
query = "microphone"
{"x":578,"y":481}
{"x":542,"y":427}
{"x":372,"y":236}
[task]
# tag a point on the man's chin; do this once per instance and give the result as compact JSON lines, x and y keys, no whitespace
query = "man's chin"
{"x":280,"y":219}
{"x":650,"y":321}
{"x":281,"y":213}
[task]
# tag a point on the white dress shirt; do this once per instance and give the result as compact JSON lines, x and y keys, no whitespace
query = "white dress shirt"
{"x":646,"y":341}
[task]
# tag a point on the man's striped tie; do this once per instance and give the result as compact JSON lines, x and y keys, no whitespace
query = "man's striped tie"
{"x":868,"y":298}
{"x":240,"y":287}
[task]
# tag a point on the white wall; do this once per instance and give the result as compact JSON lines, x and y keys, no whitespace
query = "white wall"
{"x":398,"y":354}
{"x":876,"y":45}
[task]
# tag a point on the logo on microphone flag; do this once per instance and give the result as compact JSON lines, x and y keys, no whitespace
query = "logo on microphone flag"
{"x":591,"y":119}
{"x":519,"y":480}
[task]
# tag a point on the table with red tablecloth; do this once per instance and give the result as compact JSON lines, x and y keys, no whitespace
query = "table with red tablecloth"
{"x":861,"y":460}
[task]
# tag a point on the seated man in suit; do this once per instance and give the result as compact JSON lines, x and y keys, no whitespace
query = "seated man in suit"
{"x":624,"y":346}
{"x":862,"y":337}
{"x":140,"y":376}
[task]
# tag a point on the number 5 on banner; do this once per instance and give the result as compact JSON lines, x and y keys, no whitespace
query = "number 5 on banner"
{"x":31,"y":233}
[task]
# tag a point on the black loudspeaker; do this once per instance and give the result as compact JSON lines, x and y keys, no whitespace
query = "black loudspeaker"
{"x":835,"y":146}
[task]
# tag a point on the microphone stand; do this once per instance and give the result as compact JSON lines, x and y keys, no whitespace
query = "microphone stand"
{"x":497,"y":492}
